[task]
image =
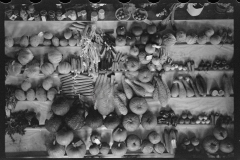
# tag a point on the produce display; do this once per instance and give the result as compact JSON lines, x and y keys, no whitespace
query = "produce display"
{"x":121,"y":93}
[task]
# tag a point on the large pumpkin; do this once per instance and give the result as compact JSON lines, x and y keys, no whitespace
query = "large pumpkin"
{"x":210,"y":144}
{"x":25,"y":56}
{"x":119,"y":149}
{"x":55,"y":57}
{"x":119,"y":134}
{"x":133,"y":142}
{"x":76,"y":149}
{"x":226,"y":145}
{"x":131,"y":122}
{"x":149,"y":121}
{"x":64,"y":68}
{"x":220,"y":133}
{"x":138,"y":105}
{"x":47,"y":68}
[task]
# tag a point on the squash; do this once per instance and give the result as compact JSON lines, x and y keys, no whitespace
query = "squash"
{"x":150,"y":49}
{"x":51,"y":93}
{"x":94,"y":119}
{"x":120,"y":41}
{"x":67,"y":34}
{"x":111,"y":121}
{"x":156,"y":39}
{"x":64,"y":136}
{"x":76,"y":149}
{"x":220,"y":133}
{"x":127,"y":89}
{"x":201,"y":85}
{"x":168,"y":39}
{"x":210,"y":144}
{"x":137,"y":31}
{"x":146,"y":146}
{"x":105,"y":148}
{"x":25,"y":56}
{"x":63,"y":42}
{"x":31,"y":95}
{"x":24,"y":41}
{"x":174,"y":90}
{"x":138,"y":105}
{"x":9,"y":42}
{"x":182,"y":91}
{"x":47,"y":83}
{"x":119,"y":149}
{"x":55,"y":57}
{"x":226,"y":145}
{"x":132,"y":64}
{"x":120,"y":103}
{"x":34,"y":40}
{"x":134,"y":51}
{"x":215,"y":39}
{"x":137,"y":89}
{"x":55,"y":41}
{"x":163,"y":92}
{"x":130,"y":40}
{"x":60,"y":105}
{"x":26,"y":85}
{"x":121,"y":31}
{"x":195,"y":141}
{"x":47,"y":68}
{"x":202,"y":39}
{"x":226,"y":85}
{"x":154,"y":137}
{"x":133,"y":142}
{"x":41,"y":95}
{"x":64,"y":68}
{"x":54,"y":123}
{"x":147,"y":86}
{"x":152,"y":29}
{"x":189,"y":90}
{"x":131,"y":122}
{"x":144,"y":38}
{"x":143,"y":58}
{"x":94,"y":149}
{"x":145,"y":75}
{"x":148,"y":121}
{"x":209,"y":32}
{"x":14,"y":68}
{"x":48,"y":35}
{"x":119,"y":134}
{"x":55,"y":150}
{"x":20,"y":95}
{"x":151,"y":67}
{"x":193,"y":85}
{"x":181,"y":36}
{"x":159,"y":147}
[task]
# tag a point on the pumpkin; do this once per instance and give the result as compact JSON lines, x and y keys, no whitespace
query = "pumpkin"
{"x":24,"y":41}
{"x":48,"y":35}
{"x":195,"y":141}
{"x":152,"y":29}
{"x":145,"y":75}
{"x":9,"y":42}
{"x":76,"y":149}
{"x":131,"y":122}
{"x":144,"y":38}
{"x":95,"y":136}
{"x":168,"y":39}
{"x":147,"y":146}
{"x":20,"y":95}
{"x":31,"y":95}
{"x":55,"y":41}
{"x":121,"y":30}
{"x":191,"y":38}
{"x":220,"y":133}
{"x":41,"y":94}
{"x":134,"y":51}
{"x":215,"y":39}
{"x":47,"y":83}
{"x":34,"y":40}
{"x":111,"y":121}
{"x":54,"y":57}
{"x":26,"y":85}
{"x":209,"y":32}
{"x":119,"y":149}
{"x":75,"y":117}
{"x":55,"y":150}
{"x":156,"y":61}
{"x":181,"y":36}
{"x":64,"y":68}
{"x":94,"y":119}
{"x":120,"y":41}
{"x":210,"y":144}
{"x":202,"y":39}
{"x":51,"y":93}
{"x":64,"y":136}
{"x":137,"y":31}
{"x":32,"y":69}
{"x":60,"y":105}
{"x":156,"y":38}
{"x":151,"y":67}
{"x":148,"y":121}
{"x":25,"y":56}
{"x":94,"y":149}
{"x":54,"y":123}
{"x":63,"y":42}
{"x":159,"y":147}
{"x":142,"y":56}
{"x":154,"y":137}
{"x":149,"y":48}
{"x":133,"y":142}
{"x":14,"y":68}
{"x":138,"y":105}
{"x":105,"y":148}
{"x":186,"y":141}
{"x":119,"y":134}
{"x":47,"y":68}
{"x":72,"y":42}
{"x":132,"y":64}
{"x":67,"y":34}
{"x":130,"y":40}
{"x":226,"y":145}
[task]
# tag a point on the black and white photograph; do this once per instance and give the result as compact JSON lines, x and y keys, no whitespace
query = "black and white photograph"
{"x":119,"y":80}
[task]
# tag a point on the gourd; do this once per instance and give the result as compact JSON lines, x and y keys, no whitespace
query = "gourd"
{"x":226,"y":145}
{"x":64,"y":136}
{"x":133,"y":142}
{"x":132,"y":64}
{"x":190,"y":80}
{"x":47,"y":83}
{"x":67,"y":34}
{"x":175,"y":90}
{"x":24,"y":41}
{"x":131,"y":122}
{"x":130,"y":40}
{"x":47,"y":68}
{"x":147,"y":86}
{"x":145,"y":75}
{"x":47,"y":42}
{"x":105,"y":148}
{"x":60,"y":105}
{"x":189,"y":90}
{"x":127,"y":89}
{"x":55,"y":150}
{"x":20,"y":95}
{"x":220,"y":133}
{"x":72,"y":42}
{"x":63,"y":42}
{"x":142,"y":58}
{"x":9,"y":42}
{"x":119,"y":148}
{"x":111,"y":121}
{"x":119,"y":134}
{"x":156,"y":38}
{"x":34,"y":40}
{"x":151,"y":67}
{"x":120,"y":103}
{"x":137,"y":89}
{"x":201,"y":85}
{"x":168,"y":39}
{"x":146,"y":147}
{"x":159,"y":147}
{"x":25,"y":56}
{"x":148,"y":121}
{"x":94,"y":149}
{"x":64,"y":68}
{"x":226,"y":85}
{"x":154,"y":137}
{"x":31,"y":95}
{"x":54,"y":57}
{"x":182,"y":91}
{"x":181,"y":36}
{"x":76,"y":149}
{"x":26,"y":85}
{"x":41,"y":95}
{"x":156,"y":61}
{"x":138,"y":105}
{"x":55,"y":41}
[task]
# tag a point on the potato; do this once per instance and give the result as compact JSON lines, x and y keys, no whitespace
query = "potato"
{"x":41,"y":94}
{"x":47,"y":42}
{"x":20,"y":95}
{"x":31,"y":95}
{"x":24,"y":41}
{"x":47,"y":83}
{"x":34,"y":40}
{"x":9,"y":42}
{"x":63,"y":42}
{"x":51,"y":93}
{"x":55,"y":41}
{"x":26,"y":85}
{"x":48,"y":35}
